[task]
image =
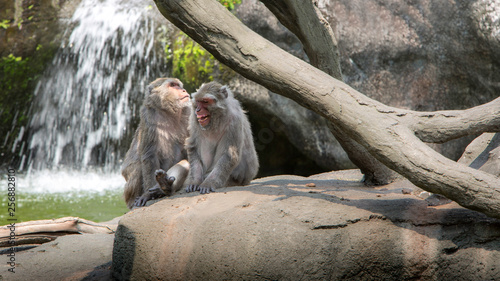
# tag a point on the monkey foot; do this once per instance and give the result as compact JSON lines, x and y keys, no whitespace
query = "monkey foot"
{"x":206,"y":190}
{"x":192,"y":188}
{"x":201,"y":189}
{"x":164,"y":181}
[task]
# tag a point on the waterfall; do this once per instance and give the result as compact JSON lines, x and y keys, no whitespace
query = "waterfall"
{"x":85,"y":102}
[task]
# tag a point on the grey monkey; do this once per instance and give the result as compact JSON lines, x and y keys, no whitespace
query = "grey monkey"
{"x":220,"y":146}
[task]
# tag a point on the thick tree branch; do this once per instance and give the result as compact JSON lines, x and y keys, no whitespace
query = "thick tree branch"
{"x":442,"y":126}
{"x":305,"y":20}
{"x":384,"y":136}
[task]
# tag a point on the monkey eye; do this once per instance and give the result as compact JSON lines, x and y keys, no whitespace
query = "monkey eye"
{"x":175,"y":85}
{"x":207,"y":101}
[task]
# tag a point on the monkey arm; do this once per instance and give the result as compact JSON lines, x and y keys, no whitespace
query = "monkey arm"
{"x":195,"y":176}
{"x":149,"y":158}
{"x":230,"y":148}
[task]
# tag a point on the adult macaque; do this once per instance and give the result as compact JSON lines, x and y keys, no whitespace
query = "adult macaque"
{"x":159,"y":140}
{"x":220,"y":147}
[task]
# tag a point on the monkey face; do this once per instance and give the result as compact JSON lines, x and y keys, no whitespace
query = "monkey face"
{"x":202,"y":111}
{"x":167,"y":94}
{"x":175,"y":89}
{"x":210,"y":105}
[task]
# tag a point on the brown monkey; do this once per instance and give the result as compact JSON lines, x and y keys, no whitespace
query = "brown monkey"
{"x":159,"y":140}
{"x":220,"y":147}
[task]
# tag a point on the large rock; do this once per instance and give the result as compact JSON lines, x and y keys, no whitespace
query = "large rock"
{"x":278,"y":228}
{"x":484,"y":154}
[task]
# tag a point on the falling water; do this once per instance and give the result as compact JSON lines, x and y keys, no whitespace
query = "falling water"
{"x":86,"y":100}
{"x":85,"y":111}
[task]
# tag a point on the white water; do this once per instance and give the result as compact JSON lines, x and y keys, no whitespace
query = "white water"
{"x":67,"y":182}
{"x":84,"y":103}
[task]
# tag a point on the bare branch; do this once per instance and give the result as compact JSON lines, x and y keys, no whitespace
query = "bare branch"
{"x":305,"y":20}
{"x":442,"y":126}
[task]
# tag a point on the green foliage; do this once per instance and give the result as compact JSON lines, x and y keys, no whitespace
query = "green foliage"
{"x":12,"y":68}
{"x":190,"y":62}
{"x":17,"y":81}
{"x":229,"y":4}
{"x":5,"y":24}
{"x":194,"y":65}
{"x":13,"y":89}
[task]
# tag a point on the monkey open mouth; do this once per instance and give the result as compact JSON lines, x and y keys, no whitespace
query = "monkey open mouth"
{"x":203,"y":119}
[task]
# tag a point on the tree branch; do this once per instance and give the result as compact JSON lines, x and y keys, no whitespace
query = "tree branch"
{"x":305,"y":20}
{"x":384,"y":136}
{"x":443,"y":126}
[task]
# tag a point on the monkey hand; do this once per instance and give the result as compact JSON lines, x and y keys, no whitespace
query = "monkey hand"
{"x":152,"y":193}
{"x":206,"y":190}
{"x":141,"y":200}
{"x":156,"y":192}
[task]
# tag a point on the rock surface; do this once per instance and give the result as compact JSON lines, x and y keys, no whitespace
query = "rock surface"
{"x":280,"y":229}
{"x":70,"y":257}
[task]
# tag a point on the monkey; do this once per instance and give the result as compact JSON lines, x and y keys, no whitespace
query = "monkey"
{"x":158,"y":142}
{"x":220,"y":145}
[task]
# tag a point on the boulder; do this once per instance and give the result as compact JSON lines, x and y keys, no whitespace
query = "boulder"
{"x":483,"y":154}
{"x":324,"y":227}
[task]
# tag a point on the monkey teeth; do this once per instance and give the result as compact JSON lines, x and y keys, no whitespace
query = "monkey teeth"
{"x":203,"y":119}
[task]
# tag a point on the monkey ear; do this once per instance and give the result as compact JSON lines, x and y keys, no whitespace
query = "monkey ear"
{"x":224,"y":90}
{"x":150,"y":88}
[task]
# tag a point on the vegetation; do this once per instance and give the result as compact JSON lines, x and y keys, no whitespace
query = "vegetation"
{"x":190,"y":62}
{"x":17,"y":82}
{"x":230,"y":4}
{"x":193,"y":65}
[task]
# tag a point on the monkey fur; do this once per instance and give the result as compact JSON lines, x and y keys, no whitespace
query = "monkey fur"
{"x":220,"y":147}
{"x":159,"y":140}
